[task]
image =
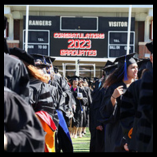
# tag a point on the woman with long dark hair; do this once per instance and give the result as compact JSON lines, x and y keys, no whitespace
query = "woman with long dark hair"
{"x":116,"y":84}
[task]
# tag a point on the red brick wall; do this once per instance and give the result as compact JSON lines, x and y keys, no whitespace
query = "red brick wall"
{"x":13,"y":44}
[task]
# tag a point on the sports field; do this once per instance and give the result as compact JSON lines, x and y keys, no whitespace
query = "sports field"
{"x":82,"y":144}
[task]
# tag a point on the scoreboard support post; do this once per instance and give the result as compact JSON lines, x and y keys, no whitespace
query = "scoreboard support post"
{"x":27,"y":24}
{"x":129,"y":25}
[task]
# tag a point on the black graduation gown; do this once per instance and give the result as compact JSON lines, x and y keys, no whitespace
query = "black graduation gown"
{"x":66,"y":99}
{"x":78,"y":114}
{"x":65,"y":104}
{"x":16,"y":76}
{"x":44,"y":97}
{"x":89,"y":96}
{"x":97,"y":142}
{"x":128,"y":111}
{"x":144,"y":123}
{"x":113,"y":129}
{"x":84,"y":107}
{"x":22,"y":128}
{"x":47,"y":98}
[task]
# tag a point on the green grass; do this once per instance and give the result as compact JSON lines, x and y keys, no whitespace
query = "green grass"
{"x":82,"y":144}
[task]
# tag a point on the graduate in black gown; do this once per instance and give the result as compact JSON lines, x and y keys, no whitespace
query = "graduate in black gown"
{"x":80,"y":100}
{"x":129,"y":105}
{"x":62,"y":136}
{"x":16,"y":75}
{"x":43,"y":98}
{"x":144,"y":130}
{"x":89,"y":102}
{"x":97,"y":129}
{"x":22,"y":130}
{"x":84,"y":107}
{"x":20,"y":127}
{"x":142,"y":134}
{"x":116,"y":84}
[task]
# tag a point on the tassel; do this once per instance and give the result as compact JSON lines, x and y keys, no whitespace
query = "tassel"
{"x":125,"y":70}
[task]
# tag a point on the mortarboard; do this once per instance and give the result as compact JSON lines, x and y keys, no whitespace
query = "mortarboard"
{"x":42,"y":58}
{"x":37,"y":56}
{"x":108,"y":63}
{"x":128,"y":58}
{"x":142,"y":63}
{"x":76,"y":78}
{"x":95,"y":78}
{"x":49,"y":59}
{"x":42,"y":66}
{"x":22,"y":55}
{"x":150,"y":47}
{"x":124,"y":61}
{"x":69,"y":79}
{"x":110,"y":68}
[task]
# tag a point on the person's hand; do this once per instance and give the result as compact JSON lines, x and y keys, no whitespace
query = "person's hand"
{"x":5,"y":142}
{"x":117,"y":92}
{"x":79,"y":98}
{"x":126,"y":147}
{"x":99,"y":128}
{"x":74,"y":107}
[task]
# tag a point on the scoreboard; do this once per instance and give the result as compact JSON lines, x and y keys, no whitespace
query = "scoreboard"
{"x":70,"y":36}
{"x":38,"y":41}
{"x":117,"y":43}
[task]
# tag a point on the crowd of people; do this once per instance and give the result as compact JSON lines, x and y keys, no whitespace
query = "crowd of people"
{"x":43,"y":111}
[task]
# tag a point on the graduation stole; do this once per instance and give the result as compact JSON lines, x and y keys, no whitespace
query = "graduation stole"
{"x":49,"y":127}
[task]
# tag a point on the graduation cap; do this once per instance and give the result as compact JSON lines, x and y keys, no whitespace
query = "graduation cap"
{"x":95,"y":78}
{"x":124,"y":61}
{"x":142,"y":63}
{"x":23,"y":55}
{"x":42,"y":65}
{"x":69,"y":79}
{"x":150,"y":47}
{"x":76,"y":78}
{"x":108,"y":63}
{"x":49,"y":59}
{"x":110,"y":68}
{"x":42,"y":58}
{"x":37,"y":56}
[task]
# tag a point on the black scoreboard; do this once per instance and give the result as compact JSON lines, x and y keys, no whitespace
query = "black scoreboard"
{"x":117,"y":43}
{"x":96,"y":37}
{"x":38,"y":41}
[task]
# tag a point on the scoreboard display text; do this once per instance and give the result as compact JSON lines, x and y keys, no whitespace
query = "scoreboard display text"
{"x":78,"y":44}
